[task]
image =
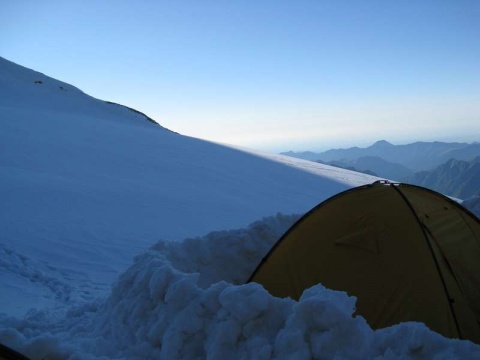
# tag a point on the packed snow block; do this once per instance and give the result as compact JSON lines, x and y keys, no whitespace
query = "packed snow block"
{"x":255,"y":301}
{"x":324,"y":320}
{"x":226,"y":255}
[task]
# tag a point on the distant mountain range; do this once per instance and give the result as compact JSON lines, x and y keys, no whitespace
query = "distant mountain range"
{"x":418,"y":156}
{"x":450,"y":168}
{"x":374,"y":165}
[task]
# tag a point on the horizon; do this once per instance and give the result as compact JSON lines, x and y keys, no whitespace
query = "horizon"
{"x":272,"y":76}
{"x":315,"y":147}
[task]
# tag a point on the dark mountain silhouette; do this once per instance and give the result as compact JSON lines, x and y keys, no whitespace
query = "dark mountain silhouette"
{"x":343,"y":165}
{"x":306,"y":155}
{"x":375,"y":165}
{"x":456,"y":178}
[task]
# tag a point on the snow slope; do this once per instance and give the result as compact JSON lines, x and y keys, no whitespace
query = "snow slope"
{"x":86,"y":185}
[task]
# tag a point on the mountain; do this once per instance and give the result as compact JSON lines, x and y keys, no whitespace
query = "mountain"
{"x":375,"y":165}
{"x":344,"y":165}
{"x":418,"y":156}
{"x":87,"y":184}
{"x":473,"y":204}
{"x":108,"y":248}
{"x":456,"y":178}
{"x":306,"y":155}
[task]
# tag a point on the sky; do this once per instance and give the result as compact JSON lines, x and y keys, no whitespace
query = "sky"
{"x":270,"y":75}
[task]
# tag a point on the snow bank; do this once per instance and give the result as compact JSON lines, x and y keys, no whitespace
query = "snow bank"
{"x":185,"y":300}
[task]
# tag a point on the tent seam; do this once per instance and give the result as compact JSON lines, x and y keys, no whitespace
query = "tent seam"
{"x":437,"y":265}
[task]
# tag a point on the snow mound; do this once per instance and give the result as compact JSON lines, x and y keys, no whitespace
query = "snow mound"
{"x":226,"y":255}
{"x":186,"y":300}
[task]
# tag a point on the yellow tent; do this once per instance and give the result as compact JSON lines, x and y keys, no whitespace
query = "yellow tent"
{"x":407,"y":253}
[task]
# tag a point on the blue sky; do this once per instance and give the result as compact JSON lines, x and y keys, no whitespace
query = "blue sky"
{"x":275,"y":75}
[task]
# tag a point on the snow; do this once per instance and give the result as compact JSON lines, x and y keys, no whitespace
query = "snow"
{"x":103,"y":253}
{"x":158,"y":311}
{"x":86,"y":185}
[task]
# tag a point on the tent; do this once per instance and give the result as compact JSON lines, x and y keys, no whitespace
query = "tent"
{"x":7,"y":353}
{"x":407,"y":253}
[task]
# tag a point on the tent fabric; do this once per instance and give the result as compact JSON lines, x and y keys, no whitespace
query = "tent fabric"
{"x":7,"y":353}
{"x":407,"y":253}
